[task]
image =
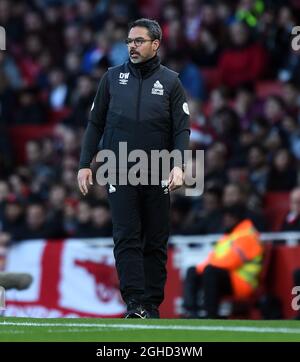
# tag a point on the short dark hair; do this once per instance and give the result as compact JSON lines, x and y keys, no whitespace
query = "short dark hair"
{"x":152,"y":26}
{"x":237,"y":211}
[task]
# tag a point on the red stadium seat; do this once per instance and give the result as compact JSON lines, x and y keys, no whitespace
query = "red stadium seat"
{"x":276,"y":206}
{"x":20,"y":135}
{"x":211,"y":77}
{"x":59,"y":115}
{"x":265,"y":89}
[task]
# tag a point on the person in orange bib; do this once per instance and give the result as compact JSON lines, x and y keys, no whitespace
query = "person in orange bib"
{"x":232,"y":268}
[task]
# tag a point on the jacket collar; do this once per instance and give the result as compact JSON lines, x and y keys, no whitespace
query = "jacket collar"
{"x":145,"y":69}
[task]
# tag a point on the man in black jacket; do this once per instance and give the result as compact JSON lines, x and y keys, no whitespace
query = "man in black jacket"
{"x":142,"y":103}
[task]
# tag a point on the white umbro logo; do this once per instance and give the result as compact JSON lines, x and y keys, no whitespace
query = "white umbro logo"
{"x":158,"y":88}
{"x":165,"y":186}
{"x":123,"y":78}
{"x":111,"y":189}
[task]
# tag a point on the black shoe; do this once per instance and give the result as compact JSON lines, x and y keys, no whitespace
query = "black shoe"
{"x":136,"y":310}
{"x":152,"y":310}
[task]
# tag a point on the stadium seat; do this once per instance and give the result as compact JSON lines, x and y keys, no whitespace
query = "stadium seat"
{"x":20,"y":135}
{"x":265,"y":89}
{"x":211,"y":77}
{"x":276,"y":206}
{"x":59,"y":115}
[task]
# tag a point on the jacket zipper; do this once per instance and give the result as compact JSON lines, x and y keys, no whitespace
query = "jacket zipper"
{"x":139,"y":97}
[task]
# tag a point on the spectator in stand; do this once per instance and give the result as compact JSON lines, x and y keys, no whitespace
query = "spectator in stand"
{"x":172,"y":25}
{"x":291,"y":67}
{"x":12,"y":21}
{"x":10,"y":70}
{"x":170,"y":11}
{"x":72,"y":39}
{"x":72,"y":66}
{"x":59,"y":92}
{"x":292,"y":219}
{"x":202,"y":134}
{"x":84,"y":213}
{"x":4,"y":192}
{"x":118,"y":52}
{"x":36,"y":226}
{"x":282,"y":175}
{"x":245,"y":105}
{"x":278,"y":37}
{"x":231,"y":268}
{"x":192,"y":19}
{"x":29,"y":110}
{"x":274,"y":109}
{"x":206,"y":50}
{"x":41,"y":173}
{"x":227,"y":126}
{"x":189,"y":74}
{"x":82,"y":101}
{"x":215,"y":162}
{"x":259,"y":128}
{"x":6,"y":154}
{"x":96,"y":52}
{"x":57,"y":196}
{"x":206,"y":219}
{"x":292,"y":133}
{"x":19,"y":183}
{"x":101,"y":225}
{"x":70,"y":216}
{"x":219,"y":99}
{"x":224,"y":12}
{"x":13,"y":218}
{"x":258,"y":168}
{"x":175,"y":43}
{"x":291,"y":97}
{"x":54,"y":25}
{"x":282,"y":39}
{"x":29,"y":62}
{"x":235,"y":194}
{"x":245,"y":60}
{"x":250,"y":11}
{"x":7,"y":98}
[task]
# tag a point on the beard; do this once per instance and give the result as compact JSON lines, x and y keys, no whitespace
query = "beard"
{"x":135,"y":57}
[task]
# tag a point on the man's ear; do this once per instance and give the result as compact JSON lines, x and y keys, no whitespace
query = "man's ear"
{"x":156,"y":44}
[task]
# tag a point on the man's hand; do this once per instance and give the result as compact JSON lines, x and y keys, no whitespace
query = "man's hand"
{"x":84,"y":178}
{"x":176,"y":178}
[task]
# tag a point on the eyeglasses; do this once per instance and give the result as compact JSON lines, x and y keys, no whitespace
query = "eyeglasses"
{"x":137,"y":41}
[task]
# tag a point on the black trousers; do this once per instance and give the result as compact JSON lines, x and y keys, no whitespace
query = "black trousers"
{"x":140,"y":216}
{"x":214,"y":282}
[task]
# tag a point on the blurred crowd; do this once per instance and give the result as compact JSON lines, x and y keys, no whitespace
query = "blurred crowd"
{"x":224,"y":51}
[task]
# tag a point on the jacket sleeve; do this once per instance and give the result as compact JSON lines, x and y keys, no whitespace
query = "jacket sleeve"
{"x":242,"y":250}
{"x":230,"y":261}
{"x":180,"y":119}
{"x":95,"y":128}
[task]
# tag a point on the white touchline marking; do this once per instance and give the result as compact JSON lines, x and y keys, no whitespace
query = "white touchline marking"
{"x":174,"y":327}
{"x":12,"y":332}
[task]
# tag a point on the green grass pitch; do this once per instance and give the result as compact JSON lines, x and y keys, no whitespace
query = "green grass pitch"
{"x":134,"y":330}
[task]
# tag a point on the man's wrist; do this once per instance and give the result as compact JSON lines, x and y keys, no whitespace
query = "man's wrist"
{"x":84,"y":165}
